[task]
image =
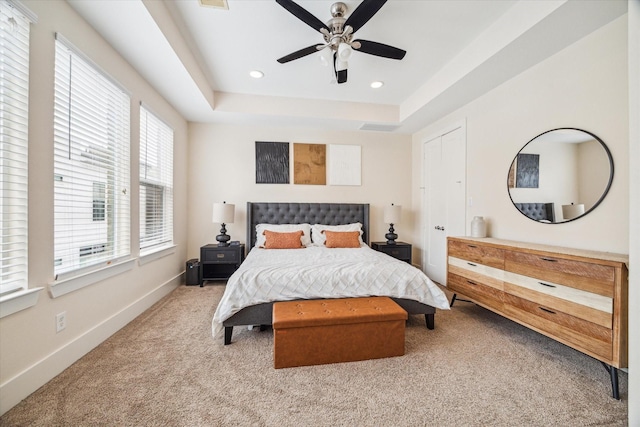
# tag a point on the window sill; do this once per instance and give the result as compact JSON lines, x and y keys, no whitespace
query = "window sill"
{"x":18,"y":301}
{"x":146,"y":257}
{"x":63,"y":287}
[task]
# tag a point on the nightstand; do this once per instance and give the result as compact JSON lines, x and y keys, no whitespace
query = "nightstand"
{"x":400,"y":250}
{"x":219,"y":262}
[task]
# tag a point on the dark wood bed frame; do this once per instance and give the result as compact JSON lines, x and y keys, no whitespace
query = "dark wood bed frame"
{"x":312,"y":213}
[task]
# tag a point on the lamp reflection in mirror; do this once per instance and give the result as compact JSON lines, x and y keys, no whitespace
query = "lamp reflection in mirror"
{"x":572,"y":211}
{"x":223,"y":214}
{"x":392,"y":216}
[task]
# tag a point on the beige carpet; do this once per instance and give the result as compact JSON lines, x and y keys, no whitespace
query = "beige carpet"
{"x":474,"y":369}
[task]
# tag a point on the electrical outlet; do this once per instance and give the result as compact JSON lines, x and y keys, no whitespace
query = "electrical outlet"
{"x":61,"y":321}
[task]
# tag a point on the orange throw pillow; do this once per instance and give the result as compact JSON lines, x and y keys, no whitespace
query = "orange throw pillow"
{"x":275,"y":240}
{"x":342,"y":239}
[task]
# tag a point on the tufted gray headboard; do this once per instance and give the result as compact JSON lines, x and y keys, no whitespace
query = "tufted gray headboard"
{"x":537,"y":211}
{"x":299,"y":213}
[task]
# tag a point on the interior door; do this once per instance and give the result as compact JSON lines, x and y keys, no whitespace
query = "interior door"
{"x":435,"y":210}
{"x":445,"y":195}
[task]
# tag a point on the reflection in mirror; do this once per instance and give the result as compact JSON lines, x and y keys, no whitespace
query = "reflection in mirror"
{"x":560,"y":175}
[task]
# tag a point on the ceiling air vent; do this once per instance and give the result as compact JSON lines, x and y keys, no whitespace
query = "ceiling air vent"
{"x":218,"y":4}
{"x":378,"y":128}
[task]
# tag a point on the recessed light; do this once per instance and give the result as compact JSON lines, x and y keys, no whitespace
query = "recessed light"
{"x":377,"y":85}
{"x":256,"y":74}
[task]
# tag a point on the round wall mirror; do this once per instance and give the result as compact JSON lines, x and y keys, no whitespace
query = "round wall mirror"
{"x":560,"y":175}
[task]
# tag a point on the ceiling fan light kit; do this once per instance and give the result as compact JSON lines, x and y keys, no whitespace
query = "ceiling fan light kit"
{"x":338,"y":35}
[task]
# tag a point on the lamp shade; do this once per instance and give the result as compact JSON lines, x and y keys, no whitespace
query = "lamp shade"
{"x":392,"y":214}
{"x":326,"y":56}
{"x":572,"y":211}
{"x":344,"y":52}
{"x":223,"y":213}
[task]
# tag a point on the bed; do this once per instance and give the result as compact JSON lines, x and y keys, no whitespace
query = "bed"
{"x":542,"y":212}
{"x":267,"y":276}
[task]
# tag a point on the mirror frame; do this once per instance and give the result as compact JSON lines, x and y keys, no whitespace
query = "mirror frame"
{"x":604,"y":193}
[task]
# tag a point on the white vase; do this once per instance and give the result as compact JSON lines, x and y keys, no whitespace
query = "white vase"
{"x":478,"y":227}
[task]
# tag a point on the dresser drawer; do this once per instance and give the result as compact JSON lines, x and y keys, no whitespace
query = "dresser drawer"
{"x":584,"y":335}
{"x":485,"y":255}
{"x":476,"y":272}
{"x":480,"y":293}
{"x":225,"y":256}
{"x":576,"y":302}
{"x":590,"y":277}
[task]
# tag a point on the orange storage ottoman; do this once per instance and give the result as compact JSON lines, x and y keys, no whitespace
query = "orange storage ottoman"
{"x":315,"y":332}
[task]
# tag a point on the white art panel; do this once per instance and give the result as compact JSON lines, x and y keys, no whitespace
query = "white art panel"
{"x":345,"y":165}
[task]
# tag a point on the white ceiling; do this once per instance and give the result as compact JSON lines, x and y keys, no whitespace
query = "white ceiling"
{"x":199,"y":58}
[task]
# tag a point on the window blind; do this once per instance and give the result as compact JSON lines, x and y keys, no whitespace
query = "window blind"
{"x":14,"y":110}
{"x":156,"y":181}
{"x":91,"y":154}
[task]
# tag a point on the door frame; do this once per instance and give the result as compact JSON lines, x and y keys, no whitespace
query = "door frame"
{"x":460,"y":124}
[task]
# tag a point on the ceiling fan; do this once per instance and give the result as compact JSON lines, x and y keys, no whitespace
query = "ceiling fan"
{"x":338,"y":35}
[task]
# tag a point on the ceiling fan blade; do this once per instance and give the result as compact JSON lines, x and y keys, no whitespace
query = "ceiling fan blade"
{"x":340,"y":68}
{"x":363,"y":13}
{"x":302,"y":14}
{"x":379,"y":49}
{"x":300,"y":53}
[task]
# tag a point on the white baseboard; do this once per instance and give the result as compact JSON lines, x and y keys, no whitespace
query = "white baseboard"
{"x":14,"y":390}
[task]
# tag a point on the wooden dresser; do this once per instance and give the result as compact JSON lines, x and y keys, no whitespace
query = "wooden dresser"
{"x":574,"y":296}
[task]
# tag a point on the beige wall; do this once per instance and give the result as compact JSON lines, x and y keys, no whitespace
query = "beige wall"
{"x":31,"y":352}
{"x":583,"y":86}
{"x":222,"y":167}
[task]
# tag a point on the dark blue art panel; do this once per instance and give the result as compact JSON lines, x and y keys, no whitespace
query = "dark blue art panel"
{"x":528,"y":173}
{"x":272,"y":162}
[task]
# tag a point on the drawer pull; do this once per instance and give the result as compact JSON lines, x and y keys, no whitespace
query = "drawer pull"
{"x":472,"y":246}
{"x":547,"y":310}
{"x":472,"y":283}
{"x":472,"y":264}
{"x":548,"y":285}
{"x":548,"y":259}
{"x":220,"y":255}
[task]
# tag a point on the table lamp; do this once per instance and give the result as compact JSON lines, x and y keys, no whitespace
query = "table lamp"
{"x":391,"y":216}
{"x":572,"y":211}
{"x":223,"y":213}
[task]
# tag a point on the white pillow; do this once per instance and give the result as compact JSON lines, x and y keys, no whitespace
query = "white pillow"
{"x":283,"y":228}
{"x":319,"y":238}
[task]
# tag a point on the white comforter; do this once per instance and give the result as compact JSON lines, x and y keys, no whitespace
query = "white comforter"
{"x":318,"y":272}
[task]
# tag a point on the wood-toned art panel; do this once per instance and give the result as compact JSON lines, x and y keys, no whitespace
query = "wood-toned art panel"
{"x":309,"y":164}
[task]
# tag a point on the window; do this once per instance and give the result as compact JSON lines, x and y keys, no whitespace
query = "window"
{"x":91,"y":165}
{"x":87,"y":252}
{"x":156,"y":182}
{"x":99,"y":201}
{"x":14,"y":109}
